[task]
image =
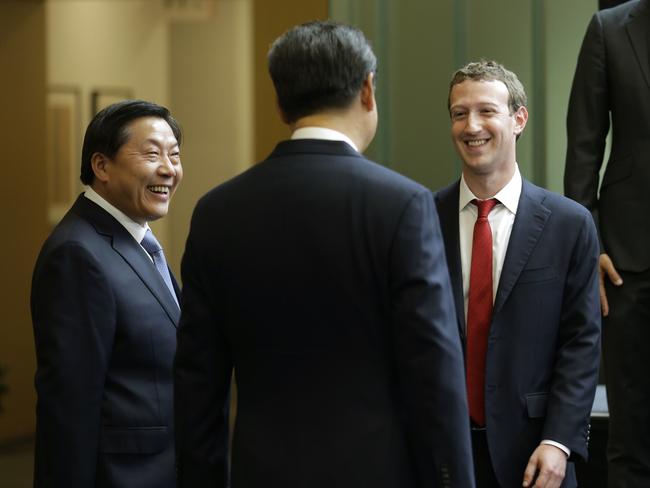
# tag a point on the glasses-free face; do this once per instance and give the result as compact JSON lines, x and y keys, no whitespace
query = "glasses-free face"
{"x":483,"y":130}
{"x":142,"y":177}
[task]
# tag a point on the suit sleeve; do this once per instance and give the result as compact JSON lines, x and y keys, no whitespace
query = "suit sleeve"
{"x":587,"y":120}
{"x":73,"y":316}
{"x":427,"y":349}
{"x":578,"y":352}
{"x":202,"y":377}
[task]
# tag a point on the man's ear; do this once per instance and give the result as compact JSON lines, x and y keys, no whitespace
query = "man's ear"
{"x":99,"y":162}
{"x":521,"y":117}
{"x":368,"y":93}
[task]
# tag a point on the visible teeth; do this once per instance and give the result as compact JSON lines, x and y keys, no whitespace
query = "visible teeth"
{"x":159,"y":189}
{"x":478,"y":142}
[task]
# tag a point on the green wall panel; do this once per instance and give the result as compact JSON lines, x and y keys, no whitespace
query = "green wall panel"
{"x":420,"y":43}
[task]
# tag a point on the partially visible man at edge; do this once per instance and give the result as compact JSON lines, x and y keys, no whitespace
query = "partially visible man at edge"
{"x":105,"y":310}
{"x":320,"y":278}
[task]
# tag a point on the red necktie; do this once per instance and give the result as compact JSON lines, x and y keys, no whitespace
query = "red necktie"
{"x":479,"y":310}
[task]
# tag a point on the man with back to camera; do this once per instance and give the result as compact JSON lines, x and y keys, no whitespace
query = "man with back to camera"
{"x":319,"y":278}
{"x":523,"y":267}
{"x":105,"y":310}
{"x":612,"y":82}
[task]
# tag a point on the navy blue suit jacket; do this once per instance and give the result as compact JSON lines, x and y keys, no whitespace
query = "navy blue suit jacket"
{"x":543,"y":346}
{"x":105,"y":332}
{"x":320,"y":278}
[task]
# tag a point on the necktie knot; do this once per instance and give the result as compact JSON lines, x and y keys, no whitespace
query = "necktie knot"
{"x":150,"y":243}
{"x":485,"y":206}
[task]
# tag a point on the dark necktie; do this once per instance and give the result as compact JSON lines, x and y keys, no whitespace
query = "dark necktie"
{"x":153,"y":247}
{"x":479,"y":310}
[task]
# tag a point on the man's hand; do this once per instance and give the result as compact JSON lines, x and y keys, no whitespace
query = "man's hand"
{"x":607,"y":268}
{"x":549,"y":462}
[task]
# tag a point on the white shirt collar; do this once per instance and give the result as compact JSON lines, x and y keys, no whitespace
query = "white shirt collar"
{"x":508,"y":196}
{"x":135,"y":229}
{"x":322,"y":133}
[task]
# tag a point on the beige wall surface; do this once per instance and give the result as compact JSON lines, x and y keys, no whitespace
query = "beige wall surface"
{"x":22,"y":123}
{"x":212,"y":91}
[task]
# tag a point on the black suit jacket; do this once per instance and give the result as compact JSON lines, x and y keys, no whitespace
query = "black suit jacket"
{"x":320,"y":278}
{"x":613,"y":77}
{"x":543,"y":346}
{"x":105,"y":332}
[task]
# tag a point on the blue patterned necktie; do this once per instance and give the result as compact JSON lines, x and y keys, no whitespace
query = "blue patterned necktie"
{"x":153,"y":247}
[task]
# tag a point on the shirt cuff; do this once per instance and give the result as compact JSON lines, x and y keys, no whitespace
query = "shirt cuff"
{"x":566,"y":450}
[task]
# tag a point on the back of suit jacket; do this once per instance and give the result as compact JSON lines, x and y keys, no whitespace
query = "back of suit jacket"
{"x":297,"y":274}
{"x":105,"y":341}
{"x":613,"y":76}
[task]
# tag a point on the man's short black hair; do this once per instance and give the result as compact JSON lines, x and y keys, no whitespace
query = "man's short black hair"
{"x":108,"y":130}
{"x":319,"y":65}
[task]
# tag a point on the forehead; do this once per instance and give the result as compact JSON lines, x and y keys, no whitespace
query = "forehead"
{"x":149,"y":128}
{"x":470,"y":92}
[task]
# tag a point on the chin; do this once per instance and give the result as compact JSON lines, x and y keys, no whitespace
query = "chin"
{"x":157,"y":214}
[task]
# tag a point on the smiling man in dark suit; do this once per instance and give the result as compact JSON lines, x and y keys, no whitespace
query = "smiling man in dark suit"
{"x":105,"y":313}
{"x":319,"y":277}
{"x":612,"y":82}
{"x":523,"y":266}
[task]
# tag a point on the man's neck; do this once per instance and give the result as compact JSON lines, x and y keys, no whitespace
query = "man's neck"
{"x":334,"y":120}
{"x":489,"y":184}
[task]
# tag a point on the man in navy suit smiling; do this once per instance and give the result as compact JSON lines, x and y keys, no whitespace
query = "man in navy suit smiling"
{"x":105,"y":311}
{"x":523,"y":267}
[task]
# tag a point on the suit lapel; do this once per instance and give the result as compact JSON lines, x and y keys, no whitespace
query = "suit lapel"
{"x":447,"y":203}
{"x":131,"y":251}
{"x":637,"y":29}
{"x":529,"y":223}
{"x":133,"y":254}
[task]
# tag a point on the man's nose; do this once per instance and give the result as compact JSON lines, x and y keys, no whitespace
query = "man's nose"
{"x":473,"y":122}
{"x":167,"y":166}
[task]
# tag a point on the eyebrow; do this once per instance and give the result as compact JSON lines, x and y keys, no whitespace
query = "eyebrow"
{"x":479,"y":104}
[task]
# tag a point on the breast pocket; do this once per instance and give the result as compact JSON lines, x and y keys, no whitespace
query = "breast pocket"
{"x":134,"y":440}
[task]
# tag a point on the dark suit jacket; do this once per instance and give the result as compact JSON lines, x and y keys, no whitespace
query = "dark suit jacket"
{"x":320,"y":278}
{"x":613,"y":76}
{"x":105,"y":331}
{"x":543,"y":347}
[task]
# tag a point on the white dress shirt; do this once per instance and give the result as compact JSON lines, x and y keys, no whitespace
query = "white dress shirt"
{"x":322,"y":133}
{"x":132,"y":227}
{"x":501,"y":219}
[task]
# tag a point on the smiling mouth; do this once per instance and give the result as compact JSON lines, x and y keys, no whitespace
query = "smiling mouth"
{"x":476,"y":142}
{"x":160,"y":190}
